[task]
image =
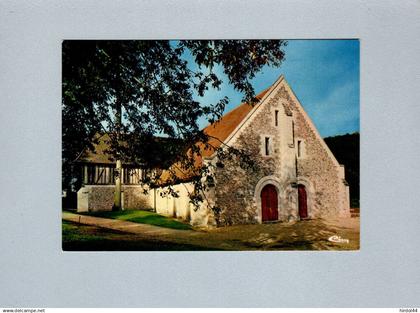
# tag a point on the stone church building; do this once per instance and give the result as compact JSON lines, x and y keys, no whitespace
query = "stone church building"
{"x":296,"y":176}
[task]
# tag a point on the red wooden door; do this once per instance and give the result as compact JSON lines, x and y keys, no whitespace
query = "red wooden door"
{"x":269,"y":204}
{"x":303,"y":206}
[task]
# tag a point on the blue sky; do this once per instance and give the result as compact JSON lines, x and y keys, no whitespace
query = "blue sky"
{"x":324,"y":74}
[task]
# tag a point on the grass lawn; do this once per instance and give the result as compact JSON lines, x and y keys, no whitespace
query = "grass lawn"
{"x":77,"y":237}
{"x":143,"y":217}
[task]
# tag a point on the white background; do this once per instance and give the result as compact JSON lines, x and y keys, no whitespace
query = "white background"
{"x":35,"y":272}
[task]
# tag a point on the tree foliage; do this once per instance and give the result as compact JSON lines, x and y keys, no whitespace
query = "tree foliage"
{"x":155,"y":88}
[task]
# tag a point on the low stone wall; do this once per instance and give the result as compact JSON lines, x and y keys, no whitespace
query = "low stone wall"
{"x":134,"y":197}
{"x":91,"y":198}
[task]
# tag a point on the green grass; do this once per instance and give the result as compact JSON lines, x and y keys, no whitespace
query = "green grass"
{"x":71,"y":233}
{"x":143,"y":217}
{"x":78,"y":237}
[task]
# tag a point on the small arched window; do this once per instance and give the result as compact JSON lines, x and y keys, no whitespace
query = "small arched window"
{"x":267,"y":145}
{"x":300,"y":148}
{"x":299,"y":152}
{"x":276,"y":118}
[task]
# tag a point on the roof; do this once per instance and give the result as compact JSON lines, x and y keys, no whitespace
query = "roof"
{"x":221,"y":129}
{"x":100,"y":153}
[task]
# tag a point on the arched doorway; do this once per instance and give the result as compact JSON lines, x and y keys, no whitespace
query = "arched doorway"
{"x":269,"y":203}
{"x":303,"y":202}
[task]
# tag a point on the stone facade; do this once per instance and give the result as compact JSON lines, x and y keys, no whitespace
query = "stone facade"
{"x":297,"y":156}
{"x":235,"y":186}
{"x":317,"y":168}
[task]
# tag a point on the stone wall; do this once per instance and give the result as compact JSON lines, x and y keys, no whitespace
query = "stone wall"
{"x":316,"y":169}
{"x":92,"y":198}
{"x":135,"y":198}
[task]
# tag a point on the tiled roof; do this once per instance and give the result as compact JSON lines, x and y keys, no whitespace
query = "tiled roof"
{"x":220,"y":130}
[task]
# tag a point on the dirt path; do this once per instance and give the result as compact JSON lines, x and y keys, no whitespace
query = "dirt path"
{"x":303,"y":235}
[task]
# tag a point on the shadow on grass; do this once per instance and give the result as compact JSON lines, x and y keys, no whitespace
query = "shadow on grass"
{"x":143,"y":217}
{"x":77,"y":237}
